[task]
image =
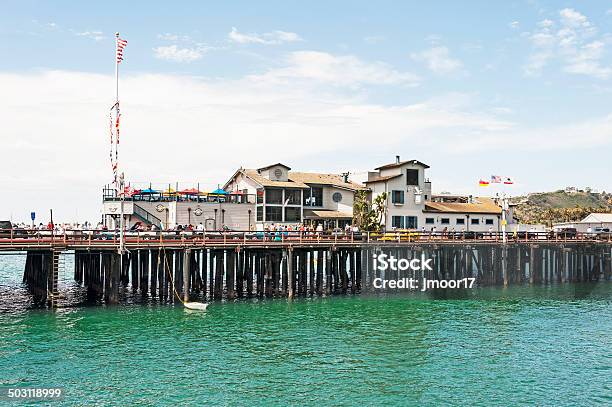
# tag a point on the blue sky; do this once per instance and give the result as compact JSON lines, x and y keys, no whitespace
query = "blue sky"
{"x":517,"y":88}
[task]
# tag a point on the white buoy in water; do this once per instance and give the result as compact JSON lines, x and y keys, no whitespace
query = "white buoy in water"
{"x":196,"y":306}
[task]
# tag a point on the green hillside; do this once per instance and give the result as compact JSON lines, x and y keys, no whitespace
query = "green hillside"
{"x":560,"y":206}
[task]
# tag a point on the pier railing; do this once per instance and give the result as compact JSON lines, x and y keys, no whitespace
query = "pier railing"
{"x":15,"y":239}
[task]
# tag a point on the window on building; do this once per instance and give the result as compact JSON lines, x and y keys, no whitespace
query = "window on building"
{"x":397,"y":197}
{"x":293,"y":214}
{"x":460,"y":221}
{"x":397,"y":222}
{"x":274,"y":214}
{"x":475,"y":222}
{"x":274,"y":196}
{"x":292,"y":196}
{"x":260,"y":196}
{"x":489,"y":221}
{"x":313,"y":197}
{"x":260,"y":214}
{"x":445,"y":221}
{"x":411,"y":222}
{"x":430,"y":221}
{"x":412,"y":177}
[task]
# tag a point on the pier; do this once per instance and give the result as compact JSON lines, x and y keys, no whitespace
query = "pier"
{"x":217,"y":267}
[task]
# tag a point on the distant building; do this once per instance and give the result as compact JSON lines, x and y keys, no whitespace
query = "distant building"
{"x":571,"y":190}
{"x":603,"y":220}
{"x":288,"y":197}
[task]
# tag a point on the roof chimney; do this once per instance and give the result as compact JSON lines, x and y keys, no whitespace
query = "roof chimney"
{"x":397,"y":159}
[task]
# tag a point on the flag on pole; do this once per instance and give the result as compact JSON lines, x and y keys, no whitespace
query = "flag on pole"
{"x":483,"y":183}
{"x":121,"y":43}
{"x":496,"y":179}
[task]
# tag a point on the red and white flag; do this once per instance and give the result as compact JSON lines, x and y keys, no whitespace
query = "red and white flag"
{"x":121,"y":43}
{"x":508,"y":181}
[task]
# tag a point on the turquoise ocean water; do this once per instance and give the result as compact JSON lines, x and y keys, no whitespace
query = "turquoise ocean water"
{"x":526,"y":345}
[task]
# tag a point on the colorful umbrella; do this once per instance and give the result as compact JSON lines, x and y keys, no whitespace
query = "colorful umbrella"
{"x":190,"y":191}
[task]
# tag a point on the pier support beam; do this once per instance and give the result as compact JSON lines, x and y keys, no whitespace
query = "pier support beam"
{"x":290,"y":272}
{"x":186,"y":273}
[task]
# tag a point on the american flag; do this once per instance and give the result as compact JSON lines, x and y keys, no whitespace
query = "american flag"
{"x":121,"y":43}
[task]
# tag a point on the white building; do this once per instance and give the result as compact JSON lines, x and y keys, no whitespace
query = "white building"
{"x":594,"y":220}
{"x":287,"y":197}
{"x":213,"y":212}
{"x":477,"y":214}
{"x":407,"y":190}
{"x":410,"y":204}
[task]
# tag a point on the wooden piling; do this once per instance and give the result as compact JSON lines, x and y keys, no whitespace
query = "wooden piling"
{"x":290,"y":272}
{"x":186,"y":274}
{"x":230,"y":279}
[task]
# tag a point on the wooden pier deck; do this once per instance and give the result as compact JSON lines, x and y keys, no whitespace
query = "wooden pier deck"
{"x":177,"y":268}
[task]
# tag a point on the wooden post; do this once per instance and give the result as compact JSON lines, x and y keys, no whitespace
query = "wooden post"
{"x":144,"y":271}
{"x":219,"y":271}
{"x":328,"y":271}
{"x":290,"y":272}
{"x":114,"y":270}
{"x":358,"y":274}
{"x":248,"y":266}
{"x":134,"y":261}
{"x":154,"y":271}
{"x":311,"y":273}
{"x":319,"y":272}
{"x":239,"y":272}
{"x":186,"y":274}
{"x":231,"y":273}
{"x":284,"y":273}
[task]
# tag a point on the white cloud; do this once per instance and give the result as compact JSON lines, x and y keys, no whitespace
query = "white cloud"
{"x":344,"y":70}
{"x":94,"y":35}
{"x":373,"y":39}
{"x":177,"y":54}
{"x":438,"y":60}
{"x":514,"y":25}
{"x":174,"y":37}
{"x":574,"y":19}
{"x":270,"y":38}
{"x":573,"y":41}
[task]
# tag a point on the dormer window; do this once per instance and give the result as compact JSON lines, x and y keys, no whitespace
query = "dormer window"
{"x":412,"y":177}
{"x":278,"y":173}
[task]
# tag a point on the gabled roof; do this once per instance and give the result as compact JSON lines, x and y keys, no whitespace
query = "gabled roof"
{"x":335,"y":180}
{"x":265,"y":182}
{"x":273,"y":165}
{"x":480,"y":205}
{"x":381,"y":179}
{"x":395,"y":165}
{"x":598,"y":217}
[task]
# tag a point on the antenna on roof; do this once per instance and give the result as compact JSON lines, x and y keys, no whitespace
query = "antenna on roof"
{"x":345,"y":176}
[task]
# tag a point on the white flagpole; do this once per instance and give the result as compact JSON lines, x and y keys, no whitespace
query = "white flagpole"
{"x":121,"y":180}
